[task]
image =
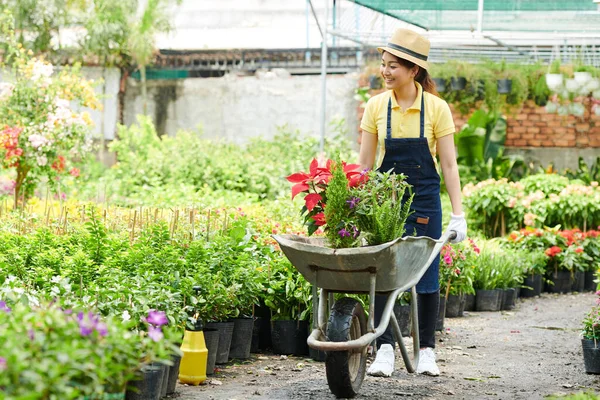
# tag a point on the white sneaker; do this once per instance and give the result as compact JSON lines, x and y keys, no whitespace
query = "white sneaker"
{"x":384,"y":362}
{"x":427,"y":363}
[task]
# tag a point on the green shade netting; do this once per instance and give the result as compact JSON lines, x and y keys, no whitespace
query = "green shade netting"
{"x":498,"y":15}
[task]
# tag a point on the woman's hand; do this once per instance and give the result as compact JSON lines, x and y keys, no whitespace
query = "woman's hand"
{"x":458,"y":224}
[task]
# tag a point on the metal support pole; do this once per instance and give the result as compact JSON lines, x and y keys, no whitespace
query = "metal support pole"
{"x":324,"y":78}
{"x":480,"y":17}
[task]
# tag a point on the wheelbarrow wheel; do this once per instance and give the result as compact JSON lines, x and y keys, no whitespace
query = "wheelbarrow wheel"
{"x":346,"y":369}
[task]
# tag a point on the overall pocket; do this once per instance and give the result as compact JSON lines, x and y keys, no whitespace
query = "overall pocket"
{"x":413,"y":175}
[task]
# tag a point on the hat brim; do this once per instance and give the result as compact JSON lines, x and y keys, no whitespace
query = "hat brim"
{"x":400,"y":54}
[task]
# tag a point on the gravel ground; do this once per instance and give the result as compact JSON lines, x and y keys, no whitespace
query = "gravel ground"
{"x":529,"y":353}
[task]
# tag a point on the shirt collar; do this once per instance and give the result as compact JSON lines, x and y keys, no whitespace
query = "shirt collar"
{"x":416,"y":105}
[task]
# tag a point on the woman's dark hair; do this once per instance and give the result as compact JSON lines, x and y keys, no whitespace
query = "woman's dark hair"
{"x":422,"y":76}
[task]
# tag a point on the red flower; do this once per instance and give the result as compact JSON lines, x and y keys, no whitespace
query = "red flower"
{"x":579,"y":250}
{"x":311,"y":200}
{"x":319,"y":219}
{"x":59,"y":164}
{"x":553,"y":251}
{"x":303,"y":180}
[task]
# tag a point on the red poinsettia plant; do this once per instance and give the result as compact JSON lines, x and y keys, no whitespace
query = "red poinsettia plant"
{"x":314,"y":184}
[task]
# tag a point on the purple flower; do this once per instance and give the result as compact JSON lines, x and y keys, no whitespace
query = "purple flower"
{"x":102,"y":329}
{"x":68,"y":311}
{"x":86,"y":329}
{"x":3,"y":365}
{"x":4,"y":307}
{"x":355,"y":231}
{"x":31,"y":334}
{"x":90,"y":322}
{"x":155,"y":333}
{"x":157,"y":318}
{"x":353,"y":202}
{"x":344,"y":233}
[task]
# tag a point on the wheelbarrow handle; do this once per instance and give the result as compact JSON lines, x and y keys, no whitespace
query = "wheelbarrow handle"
{"x":448,"y":236}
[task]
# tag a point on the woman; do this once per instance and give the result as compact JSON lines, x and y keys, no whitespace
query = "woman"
{"x":403,"y":130}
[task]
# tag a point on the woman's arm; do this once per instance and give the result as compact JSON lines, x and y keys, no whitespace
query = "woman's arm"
{"x":368,"y":148}
{"x":445,"y":148}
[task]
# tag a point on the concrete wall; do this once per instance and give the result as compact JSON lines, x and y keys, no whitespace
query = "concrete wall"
{"x":105,"y":120}
{"x":560,"y":158}
{"x":238,"y":107}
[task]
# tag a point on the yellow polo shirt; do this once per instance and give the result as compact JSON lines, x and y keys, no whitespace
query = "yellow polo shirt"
{"x":406,"y":123}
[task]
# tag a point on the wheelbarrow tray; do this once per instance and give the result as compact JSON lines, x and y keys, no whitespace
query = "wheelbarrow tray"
{"x":399,"y":264}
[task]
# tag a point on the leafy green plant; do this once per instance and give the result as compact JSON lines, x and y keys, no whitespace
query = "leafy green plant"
{"x":382,"y":206}
{"x":66,"y":354}
{"x":287,"y":294}
{"x":591,"y":324}
{"x":457,"y":268}
{"x":480,"y":147}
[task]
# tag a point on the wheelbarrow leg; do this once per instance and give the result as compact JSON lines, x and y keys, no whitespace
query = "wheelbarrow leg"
{"x":411,"y":365}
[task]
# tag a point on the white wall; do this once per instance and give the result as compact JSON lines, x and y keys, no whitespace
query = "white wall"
{"x":239,"y":107}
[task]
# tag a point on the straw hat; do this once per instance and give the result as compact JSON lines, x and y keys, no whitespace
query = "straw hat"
{"x":408,"y":45}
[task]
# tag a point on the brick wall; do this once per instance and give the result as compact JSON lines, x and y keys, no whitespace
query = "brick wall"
{"x":532,"y":126}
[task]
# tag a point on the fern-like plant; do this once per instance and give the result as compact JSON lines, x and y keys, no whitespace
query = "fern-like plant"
{"x":382,"y":206}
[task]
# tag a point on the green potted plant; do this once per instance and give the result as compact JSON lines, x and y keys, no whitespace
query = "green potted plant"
{"x":456,"y":275}
{"x":590,"y":340}
{"x":441,"y":74}
{"x":89,"y":356}
{"x":554,"y":77}
{"x":504,"y":83}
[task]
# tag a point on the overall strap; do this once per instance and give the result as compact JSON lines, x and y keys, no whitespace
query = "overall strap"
{"x":422,"y":135}
{"x":389,"y":120}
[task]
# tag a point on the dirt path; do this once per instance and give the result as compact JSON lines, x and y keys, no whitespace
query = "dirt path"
{"x":528,"y":353}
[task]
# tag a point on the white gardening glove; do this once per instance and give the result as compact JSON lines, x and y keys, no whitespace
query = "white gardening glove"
{"x":458,"y":224}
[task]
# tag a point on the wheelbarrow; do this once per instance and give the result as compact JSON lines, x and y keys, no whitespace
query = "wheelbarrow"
{"x":345,"y":333}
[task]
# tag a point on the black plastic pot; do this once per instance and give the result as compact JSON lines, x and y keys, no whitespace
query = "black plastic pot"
{"x":440,"y":84}
{"x":458,"y":83}
{"x":469,"y":302}
{"x":302,"y":332}
{"x":148,"y":386}
{"x":165,"y":382}
{"x":439,"y":324}
{"x":509,"y":299}
{"x":263,"y":316}
{"x":173,"y":374}
{"x":578,"y":284}
{"x":488,"y":300}
{"x":255,"y":345}
{"x":455,"y":305}
{"x":504,"y":86}
{"x":374,"y":82}
{"x":591,"y":356}
{"x":590,"y":285}
{"x":285,"y":335}
{"x":559,"y":282}
{"x":211,"y":339}
{"x":402,"y":313}
{"x":225,"y":333}
{"x":241,"y":340}
{"x":534,"y":285}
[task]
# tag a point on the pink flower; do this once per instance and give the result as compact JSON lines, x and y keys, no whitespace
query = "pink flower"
{"x":448,"y":258}
{"x":157,"y":318}
{"x":155,"y":333}
{"x":74,"y":172}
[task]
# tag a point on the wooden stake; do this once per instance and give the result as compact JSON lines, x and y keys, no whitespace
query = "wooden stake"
{"x":192,"y":220}
{"x":133,"y":227}
{"x":66,"y":218}
{"x":208,"y":226}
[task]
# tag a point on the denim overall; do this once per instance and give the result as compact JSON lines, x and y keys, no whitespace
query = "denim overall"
{"x":411,"y":157}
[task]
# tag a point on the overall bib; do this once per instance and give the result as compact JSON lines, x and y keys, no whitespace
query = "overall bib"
{"x":411,"y":157}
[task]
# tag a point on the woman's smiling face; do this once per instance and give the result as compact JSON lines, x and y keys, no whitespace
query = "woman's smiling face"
{"x":395,"y":75}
